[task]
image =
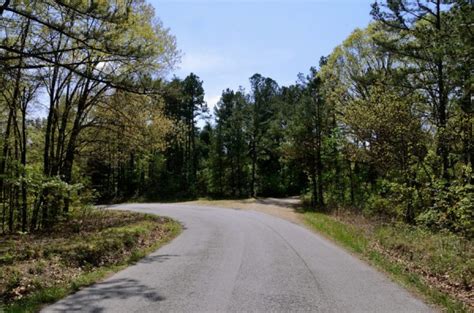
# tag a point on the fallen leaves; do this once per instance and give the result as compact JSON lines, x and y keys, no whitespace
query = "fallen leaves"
{"x":40,"y":260}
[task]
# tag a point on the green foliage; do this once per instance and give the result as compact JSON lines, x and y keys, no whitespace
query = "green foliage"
{"x":113,"y":63}
{"x":228,"y":173}
{"x":379,"y":205}
{"x":452,"y":207}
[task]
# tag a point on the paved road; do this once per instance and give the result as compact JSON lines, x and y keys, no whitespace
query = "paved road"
{"x":242,"y":261}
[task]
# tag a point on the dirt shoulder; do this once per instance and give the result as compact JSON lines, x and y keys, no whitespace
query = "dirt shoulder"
{"x":284,"y":208}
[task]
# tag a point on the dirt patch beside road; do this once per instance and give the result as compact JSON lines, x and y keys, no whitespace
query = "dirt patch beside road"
{"x":283,"y":208}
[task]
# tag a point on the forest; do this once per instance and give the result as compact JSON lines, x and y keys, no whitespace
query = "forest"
{"x":382,"y":126}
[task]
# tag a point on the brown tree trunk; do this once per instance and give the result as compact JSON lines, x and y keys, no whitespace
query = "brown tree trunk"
{"x":4,"y":6}
{"x":48,"y":138}
{"x":3,"y":163}
{"x":253,"y":188}
{"x":319,"y":173}
{"x":352,"y":183}
{"x":24,"y":196}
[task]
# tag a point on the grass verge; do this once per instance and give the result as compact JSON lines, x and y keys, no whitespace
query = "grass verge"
{"x":437,"y":266}
{"x":37,"y":269}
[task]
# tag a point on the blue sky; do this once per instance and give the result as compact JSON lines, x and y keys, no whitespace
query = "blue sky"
{"x":225,"y":42}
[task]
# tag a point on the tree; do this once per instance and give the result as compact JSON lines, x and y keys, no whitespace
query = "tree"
{"x":229,"y":155}
{"x":79,"y":54}
{"x":307,"y":132}
{"x":420,"y":34}
{"x":111,"y":29}
{"x":193,"y":106}
{"x":390,"y":134}
{"x":262,"y":108}
{"x":122,"y":148}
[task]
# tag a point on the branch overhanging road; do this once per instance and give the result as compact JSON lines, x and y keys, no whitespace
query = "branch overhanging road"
{"x":242,"y":261}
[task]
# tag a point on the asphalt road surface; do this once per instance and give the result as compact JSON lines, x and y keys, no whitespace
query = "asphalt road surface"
{"x":242,"y":261}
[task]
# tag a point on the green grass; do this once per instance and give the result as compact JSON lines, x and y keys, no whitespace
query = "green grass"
{"x":91,"y":245}
{"x":435,"y":252}
{"x":347,"y":235}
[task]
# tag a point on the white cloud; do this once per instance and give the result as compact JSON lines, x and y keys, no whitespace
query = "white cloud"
{"x":212,"y":101}
{"x":227,"y":62}
{"x":203,"y":62}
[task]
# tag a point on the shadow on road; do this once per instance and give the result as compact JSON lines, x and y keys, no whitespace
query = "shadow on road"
{"x":157,"y":258}
{"x":90,"y":299}
{"x":293,"y":203}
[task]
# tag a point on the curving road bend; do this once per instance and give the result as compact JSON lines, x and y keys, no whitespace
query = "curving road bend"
{"x":242,"y":261}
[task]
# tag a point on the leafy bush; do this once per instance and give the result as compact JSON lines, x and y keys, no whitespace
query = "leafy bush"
{"x":434,"y":204}
{"x":394,"y":200}
{"x":378,"y":205}
{"x":452,"y":209}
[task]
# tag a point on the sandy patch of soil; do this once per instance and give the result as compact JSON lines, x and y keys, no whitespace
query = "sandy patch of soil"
{"x":285,"y":208}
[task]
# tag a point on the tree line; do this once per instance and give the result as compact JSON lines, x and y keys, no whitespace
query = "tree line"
{"x":71,"y":70}
{"x":382,"y":126}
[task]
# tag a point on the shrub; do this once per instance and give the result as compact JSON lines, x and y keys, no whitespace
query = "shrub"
{"x":452,"y":208}
{"x":377,"y":205}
